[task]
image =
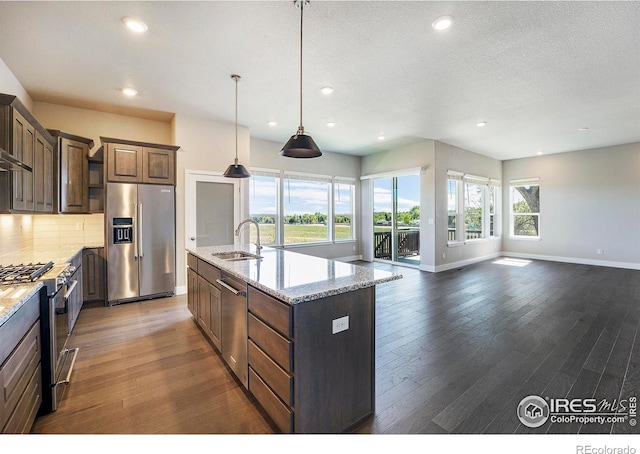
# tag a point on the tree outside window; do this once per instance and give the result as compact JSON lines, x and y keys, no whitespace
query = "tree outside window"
{"x":525,"y":210}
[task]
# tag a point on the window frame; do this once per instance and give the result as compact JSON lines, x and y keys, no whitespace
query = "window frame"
{"x":512,"y":185}
{"x":282,"y":176}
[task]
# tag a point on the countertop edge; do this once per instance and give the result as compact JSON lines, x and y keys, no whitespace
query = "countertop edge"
{"x":33,"y":288}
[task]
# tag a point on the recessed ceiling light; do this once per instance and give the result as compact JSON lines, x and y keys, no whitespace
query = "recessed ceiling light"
{"x":442,"y":23}
{"x":326,"y":90}
{"x":539,"y":153}
{"x":272,"y":122}
{"x":129,"y":91}
{"x":135,"y":25}
{"x":331,"y":124}
{"x":481,"y":124}
{"x":381,"y":137}
{"x":583,"y":129}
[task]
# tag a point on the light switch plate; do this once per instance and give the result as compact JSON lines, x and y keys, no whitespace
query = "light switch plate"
{"x":340,"y":324}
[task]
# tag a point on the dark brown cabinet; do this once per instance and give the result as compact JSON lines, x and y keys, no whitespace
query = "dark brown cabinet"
{"x":203,"y":298}
{"x":26,"y":140}
{"x":71,"y":187}
{"x":93,"y":275}
{"x":140,"y":162}
{"x":20,"y":368}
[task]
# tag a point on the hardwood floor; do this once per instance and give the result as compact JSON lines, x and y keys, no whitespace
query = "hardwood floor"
{"x":455,"y":353}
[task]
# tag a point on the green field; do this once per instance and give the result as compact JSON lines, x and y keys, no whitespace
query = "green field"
{"x":300,"y":233}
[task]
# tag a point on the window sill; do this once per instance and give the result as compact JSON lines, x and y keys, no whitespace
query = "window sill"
{"x":524,"y":238}
{"x":477,"y":240}
{"x":455,"y":243}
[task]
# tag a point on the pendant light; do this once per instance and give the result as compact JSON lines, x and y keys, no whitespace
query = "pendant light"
{"x":301,"y":145}
{"x":236,"y":170}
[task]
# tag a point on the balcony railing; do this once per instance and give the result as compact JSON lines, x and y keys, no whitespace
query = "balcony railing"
{"x":471,"y":234}
{"x":407,"y":241}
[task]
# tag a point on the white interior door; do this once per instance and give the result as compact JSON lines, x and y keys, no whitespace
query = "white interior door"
{"x":212,"y":209}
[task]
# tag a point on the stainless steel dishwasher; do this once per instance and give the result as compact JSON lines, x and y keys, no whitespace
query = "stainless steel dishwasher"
{"x":234,"y":325}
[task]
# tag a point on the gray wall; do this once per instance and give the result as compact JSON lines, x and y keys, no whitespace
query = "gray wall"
{"x":265,"y":154}
{"x":589,"y":200}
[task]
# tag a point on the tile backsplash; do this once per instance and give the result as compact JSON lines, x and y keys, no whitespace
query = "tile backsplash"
{"x":20,"y":231}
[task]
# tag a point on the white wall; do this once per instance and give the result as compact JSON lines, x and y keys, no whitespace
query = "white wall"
{"x":266,"y":154}
{"x":207,"y":146}
{"x":416,"y":155}
{"x":448,"y":158}
{"x":10,"y":85}
{"x":589,"y":200}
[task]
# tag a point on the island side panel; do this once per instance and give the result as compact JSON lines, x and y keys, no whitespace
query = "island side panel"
{"x":334,"y":373}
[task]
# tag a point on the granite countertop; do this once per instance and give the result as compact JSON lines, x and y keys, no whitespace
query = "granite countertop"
{"x":13,"y":297}
{"x":292,"y":277}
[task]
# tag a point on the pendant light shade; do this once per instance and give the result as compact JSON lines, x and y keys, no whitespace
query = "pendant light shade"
{"x":236,"y":170}
{"x":301,"y":145}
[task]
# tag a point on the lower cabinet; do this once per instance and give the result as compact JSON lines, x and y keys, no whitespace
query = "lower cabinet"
{"x":93,"y":275}
{"x":203,"y":298}
{"x":20,"y":369}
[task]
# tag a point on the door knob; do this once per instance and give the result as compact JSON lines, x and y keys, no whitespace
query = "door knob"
{"x":193,"y":238}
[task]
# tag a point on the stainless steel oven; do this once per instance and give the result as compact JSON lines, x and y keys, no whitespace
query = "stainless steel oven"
{"x":63,"y":286}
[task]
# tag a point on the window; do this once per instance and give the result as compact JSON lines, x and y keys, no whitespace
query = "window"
{"x":525,"y":208}
{"x":305,"y":210}
{"x":263,"y":205}
{"x":473,"y":207}
{"x":301,"y":208}
{"x":454,"y":181}
{"x":494,"y":201}
{"x":343,"y":198}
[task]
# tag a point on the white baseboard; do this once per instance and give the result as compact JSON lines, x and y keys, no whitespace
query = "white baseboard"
{"x":181,"y":290}
{"x":450,"y":266}
{"x":576,"y":260}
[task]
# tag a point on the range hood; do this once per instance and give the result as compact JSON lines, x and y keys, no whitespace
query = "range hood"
{"x":8,"y":162}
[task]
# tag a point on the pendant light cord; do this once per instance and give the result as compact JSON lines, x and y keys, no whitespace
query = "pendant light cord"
{"x":301,"y":128}
{"x":236,"y":77}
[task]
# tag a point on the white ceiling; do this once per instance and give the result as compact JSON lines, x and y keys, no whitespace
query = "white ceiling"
{"x":536,"y":72}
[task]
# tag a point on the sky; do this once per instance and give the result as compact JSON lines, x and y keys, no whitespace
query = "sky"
{"x":408,"y":193}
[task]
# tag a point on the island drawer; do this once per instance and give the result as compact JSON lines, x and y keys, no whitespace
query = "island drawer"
{"x":271,"y":311}
{"x":282,"y":416}
{"x":192,"y":262}
{"x":273,"y":375}
{"x":209,"y":272}
{"x":279,"y":348}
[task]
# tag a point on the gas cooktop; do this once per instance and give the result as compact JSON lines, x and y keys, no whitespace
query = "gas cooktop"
{"x":18,"y":274}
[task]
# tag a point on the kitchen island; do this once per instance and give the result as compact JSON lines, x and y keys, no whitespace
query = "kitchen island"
{"x":308,"y":324}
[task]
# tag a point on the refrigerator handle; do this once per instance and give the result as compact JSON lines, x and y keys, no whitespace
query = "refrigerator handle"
{"x":135,"y":232}
{"x":140,"y":228}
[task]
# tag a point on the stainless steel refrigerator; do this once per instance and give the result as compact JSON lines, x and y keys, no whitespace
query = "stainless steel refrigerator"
{"x":140,"y":241}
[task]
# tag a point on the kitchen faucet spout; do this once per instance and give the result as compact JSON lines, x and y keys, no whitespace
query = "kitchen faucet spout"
{"x":237,"y":232}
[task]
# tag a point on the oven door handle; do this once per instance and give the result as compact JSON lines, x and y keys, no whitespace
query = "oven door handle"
{"x":65,"y":298}
{"x":67,"y":379}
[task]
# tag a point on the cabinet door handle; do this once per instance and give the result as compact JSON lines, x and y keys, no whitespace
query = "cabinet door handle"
{"x":231,"y":289}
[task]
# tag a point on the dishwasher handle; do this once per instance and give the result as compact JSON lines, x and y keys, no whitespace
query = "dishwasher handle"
{"x":231,"y":289}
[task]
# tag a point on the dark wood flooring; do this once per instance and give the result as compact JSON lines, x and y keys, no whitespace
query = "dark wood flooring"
{"x":455,"y":353}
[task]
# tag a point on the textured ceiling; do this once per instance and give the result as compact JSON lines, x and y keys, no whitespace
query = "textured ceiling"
{"x":536,"y":72}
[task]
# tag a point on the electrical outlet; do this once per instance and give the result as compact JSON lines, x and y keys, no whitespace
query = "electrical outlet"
{"x":599,"y":252}
{"x":79,"y":226}
{"x":443,"y":255}
{"x":340,"y":324}
{"x":354,"y":248}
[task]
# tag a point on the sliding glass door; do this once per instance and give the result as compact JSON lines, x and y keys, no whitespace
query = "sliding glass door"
{"x":396,"y":219}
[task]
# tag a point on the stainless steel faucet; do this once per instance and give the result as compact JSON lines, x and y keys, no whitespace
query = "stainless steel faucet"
{"x":237,"y":232}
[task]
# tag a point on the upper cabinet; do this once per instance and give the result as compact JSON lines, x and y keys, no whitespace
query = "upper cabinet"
{"x":140,"y":162}
{"x":71,"y":191}
{"x":29,"y":142}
